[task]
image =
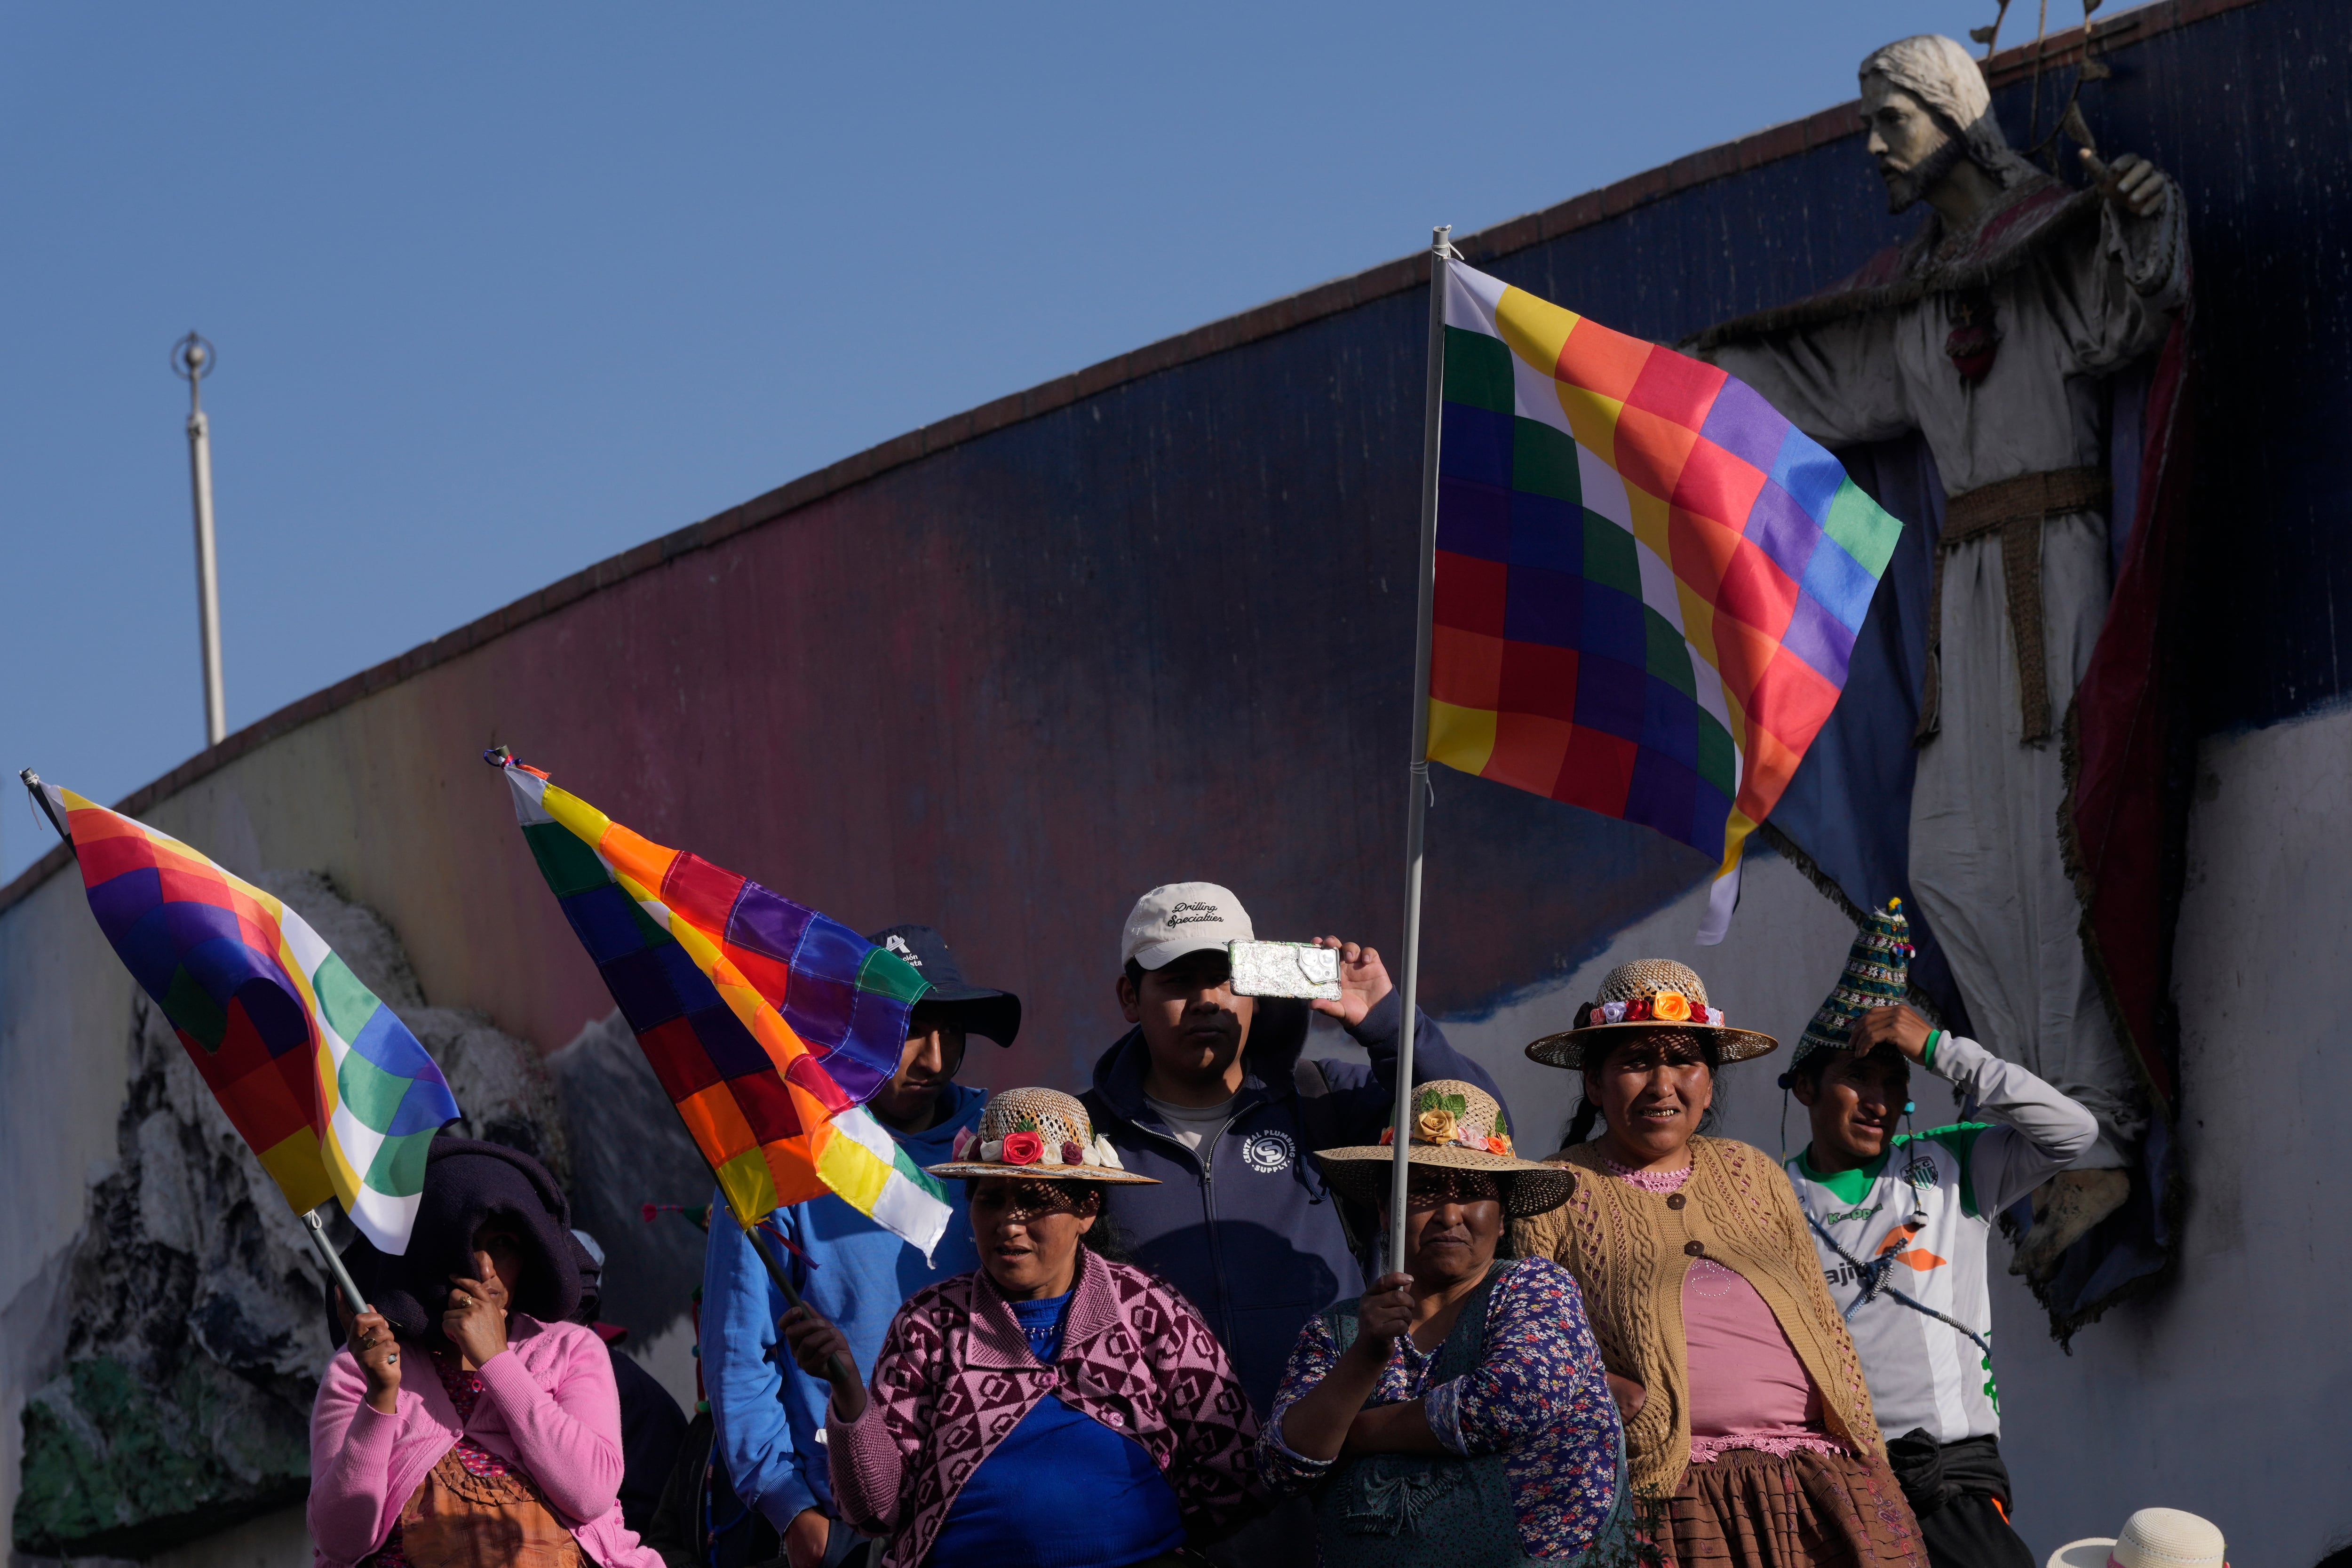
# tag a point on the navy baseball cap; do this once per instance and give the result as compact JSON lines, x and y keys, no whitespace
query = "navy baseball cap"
{"x":995,"y":1014}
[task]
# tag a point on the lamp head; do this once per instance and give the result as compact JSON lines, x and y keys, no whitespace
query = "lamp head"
{"x":192,"y":358}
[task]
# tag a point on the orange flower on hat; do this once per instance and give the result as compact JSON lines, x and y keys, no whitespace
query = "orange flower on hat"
{"x":1670,"y":1007}
{"x":1498,"y":1146}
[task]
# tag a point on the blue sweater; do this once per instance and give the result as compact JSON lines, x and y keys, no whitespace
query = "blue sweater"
{"x":1250,"y":1233}
{"x":765,"y":1412}
{"x":1061,"y":1489}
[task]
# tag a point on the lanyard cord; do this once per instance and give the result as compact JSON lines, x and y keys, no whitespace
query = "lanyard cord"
{"x":1873,"y":1277}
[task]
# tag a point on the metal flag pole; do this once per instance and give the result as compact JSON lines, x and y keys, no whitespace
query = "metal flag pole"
{"x":192,"y":357}
{"x":1417,"y":807}
{"x":41,"y":798}
{"x":334,"y":1265}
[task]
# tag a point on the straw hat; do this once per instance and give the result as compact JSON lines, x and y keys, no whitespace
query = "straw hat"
{"x":1648,"y":994}
{"x":2152,"y":1538}
{"x":1877,"y":974}
{"x":1037,"y":1134}
{"x":1458,"y":1126}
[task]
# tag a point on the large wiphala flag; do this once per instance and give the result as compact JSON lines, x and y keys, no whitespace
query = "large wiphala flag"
{"x":323,"y":1081}
{"x":1648,"y":583}
{"x":769,"y":1024}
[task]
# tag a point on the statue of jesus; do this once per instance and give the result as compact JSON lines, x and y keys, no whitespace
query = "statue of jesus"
{"x":1987,"y":334}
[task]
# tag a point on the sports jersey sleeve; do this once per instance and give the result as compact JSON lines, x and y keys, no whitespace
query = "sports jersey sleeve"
{"x":2035,"y":1132}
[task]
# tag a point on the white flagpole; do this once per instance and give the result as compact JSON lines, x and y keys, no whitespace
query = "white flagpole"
{"x":192,"y":358}
{"x":1417,"y":807}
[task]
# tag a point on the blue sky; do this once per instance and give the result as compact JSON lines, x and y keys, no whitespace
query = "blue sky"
{"x":500,"y":290}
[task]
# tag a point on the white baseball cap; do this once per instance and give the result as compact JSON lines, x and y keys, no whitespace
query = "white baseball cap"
{"x":1182,"y":917}
{"x":2152,"y":1538}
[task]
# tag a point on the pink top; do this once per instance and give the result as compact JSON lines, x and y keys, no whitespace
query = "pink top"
{"x":1748,"y":1389}
{"x":1648,"y":1181}
{"x":546,"y":1404}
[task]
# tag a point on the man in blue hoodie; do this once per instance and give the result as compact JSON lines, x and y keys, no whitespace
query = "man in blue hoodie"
{"x":1209,"y":1094}
{"x":768,"y":1417}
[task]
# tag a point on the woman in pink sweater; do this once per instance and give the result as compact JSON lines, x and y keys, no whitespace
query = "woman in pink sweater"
{"x":465,"y":1424}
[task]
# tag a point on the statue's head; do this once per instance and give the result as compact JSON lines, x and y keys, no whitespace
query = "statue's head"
{"x":1925,"y":107}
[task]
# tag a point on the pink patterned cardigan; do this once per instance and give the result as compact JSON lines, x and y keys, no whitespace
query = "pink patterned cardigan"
{"x":955,"y":1375}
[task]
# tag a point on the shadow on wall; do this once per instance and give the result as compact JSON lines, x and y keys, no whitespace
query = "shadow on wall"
{"x":190,"y":1326}
{"x":628,"y":1150}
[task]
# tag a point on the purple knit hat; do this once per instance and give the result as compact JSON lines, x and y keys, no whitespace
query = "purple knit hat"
{"x":466,"y":1182}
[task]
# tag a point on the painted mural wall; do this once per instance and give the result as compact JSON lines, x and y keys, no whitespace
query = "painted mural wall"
{"x":1155,"y":623}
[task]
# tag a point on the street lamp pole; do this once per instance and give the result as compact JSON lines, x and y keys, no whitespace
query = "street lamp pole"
{"x":192,"y":358}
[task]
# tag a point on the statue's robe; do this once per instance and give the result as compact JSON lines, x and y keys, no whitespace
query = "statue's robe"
{"x":2078,"y":293}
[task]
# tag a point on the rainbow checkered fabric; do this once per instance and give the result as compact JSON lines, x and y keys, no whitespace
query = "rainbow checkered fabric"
{"x":1648,"y":580}
{"x":320,"y":1077}
{"x":769,"y":1024}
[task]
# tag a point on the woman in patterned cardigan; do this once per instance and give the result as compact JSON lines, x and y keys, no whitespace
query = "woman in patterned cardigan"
{"x":1457,"y":1414}
{"x":1750,"y":1431}
{"x":1055,"y":1405}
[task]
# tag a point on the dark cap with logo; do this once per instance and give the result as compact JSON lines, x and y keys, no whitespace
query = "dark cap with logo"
{"x":995,"y":1014}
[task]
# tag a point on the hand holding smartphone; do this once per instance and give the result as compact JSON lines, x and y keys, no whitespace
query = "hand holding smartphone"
{"x":1298,"y":969}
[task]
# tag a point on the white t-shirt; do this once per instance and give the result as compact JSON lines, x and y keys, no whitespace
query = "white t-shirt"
{"x":1194,"y":1125}
{"x":1923,"y":1374}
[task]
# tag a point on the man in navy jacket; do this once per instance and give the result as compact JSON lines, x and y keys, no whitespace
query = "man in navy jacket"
{"x":1209,"y":1094}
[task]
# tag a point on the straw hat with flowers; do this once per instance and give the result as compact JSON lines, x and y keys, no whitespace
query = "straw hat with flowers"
{"x":1037,"y":1134}
{"x":1455,"y":1126}
{"x":1648,"y":994}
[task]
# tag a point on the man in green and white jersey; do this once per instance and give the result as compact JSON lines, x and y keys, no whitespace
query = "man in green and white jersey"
{"x":1900,"y":1222}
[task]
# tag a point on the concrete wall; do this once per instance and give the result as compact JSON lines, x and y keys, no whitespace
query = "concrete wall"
{"x":1154,"y":621}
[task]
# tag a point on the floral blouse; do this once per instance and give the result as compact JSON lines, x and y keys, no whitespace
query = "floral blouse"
{"x":1538,"y":1395}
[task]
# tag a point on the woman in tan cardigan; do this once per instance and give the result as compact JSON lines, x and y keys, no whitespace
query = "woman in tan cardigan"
{"x":1748,"y":1428}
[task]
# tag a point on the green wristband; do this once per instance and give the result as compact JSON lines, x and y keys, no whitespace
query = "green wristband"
{"x":1927,"y":1056}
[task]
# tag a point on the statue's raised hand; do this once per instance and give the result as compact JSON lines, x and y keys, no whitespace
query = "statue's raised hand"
{"x":2131,"y":181}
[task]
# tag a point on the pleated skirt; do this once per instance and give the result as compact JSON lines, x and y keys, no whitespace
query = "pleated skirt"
{"x":1806,"y":1510}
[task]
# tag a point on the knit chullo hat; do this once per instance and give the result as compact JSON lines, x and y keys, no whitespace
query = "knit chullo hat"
{"x":1647,"y":995}
{"x":1037,"y":1135}
{"x":1456,"y":1126}
{"x":1877,"y":974}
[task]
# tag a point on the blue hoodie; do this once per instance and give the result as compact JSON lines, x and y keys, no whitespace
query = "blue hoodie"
{"x":764,"y":1411}
{"x":1250,"y":1233}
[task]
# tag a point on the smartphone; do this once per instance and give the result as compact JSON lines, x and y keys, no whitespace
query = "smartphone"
{"x":1285,"y":969}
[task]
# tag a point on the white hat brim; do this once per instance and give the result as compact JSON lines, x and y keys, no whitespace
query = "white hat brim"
{"x":972,"y":1170}
{"x":2091,"y":1552}
{"x":1161,"y":955}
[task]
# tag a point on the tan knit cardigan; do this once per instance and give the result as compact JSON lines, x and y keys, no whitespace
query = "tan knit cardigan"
{"x":1628,"y":1250}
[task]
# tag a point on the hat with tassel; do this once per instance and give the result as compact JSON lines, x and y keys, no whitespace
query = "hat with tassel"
{"x":1877,"y":974}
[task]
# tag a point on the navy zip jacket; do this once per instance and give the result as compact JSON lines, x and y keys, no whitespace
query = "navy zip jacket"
{"x":1248,"y":1230}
